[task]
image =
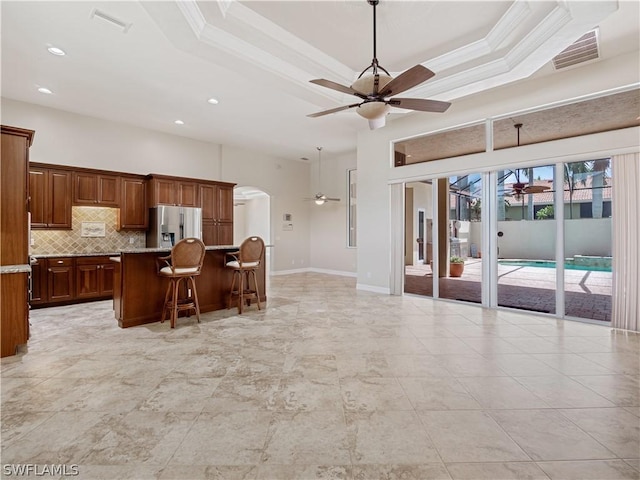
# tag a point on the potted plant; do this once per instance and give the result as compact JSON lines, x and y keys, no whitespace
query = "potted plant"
{"x":456,"y":266}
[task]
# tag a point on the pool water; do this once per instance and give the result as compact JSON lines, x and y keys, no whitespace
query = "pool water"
{"x":551,"y":264}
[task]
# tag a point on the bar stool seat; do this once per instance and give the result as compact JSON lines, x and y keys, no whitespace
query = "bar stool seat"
{"x":245,"y":263}
{"x":184,"y":263}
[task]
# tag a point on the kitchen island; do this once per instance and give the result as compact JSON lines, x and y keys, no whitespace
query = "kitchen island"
{"x":139,"y":292}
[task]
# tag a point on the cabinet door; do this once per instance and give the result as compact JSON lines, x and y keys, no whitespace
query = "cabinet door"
{"x":38,"y":281}
{"x":38,"y":197}
{"x":225,"y":204}
{"x":188,"y":194}
{"x":108,"y":190}
{"x":208,"y":202}
{"x":60,"y":279}
{"x":87,"y":284}
{"x":85,"y":188}
{"x":14,"y":312}
{"x":164,"y":192}
{"x":209,"y":233}
{"x":59,"y":198}
{"x":106,"y":278}
{"x":225,"y":234}
{"x":133,"y":206}
{"x":14,"y":235}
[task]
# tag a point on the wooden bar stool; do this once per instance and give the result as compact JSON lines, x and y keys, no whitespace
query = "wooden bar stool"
{"x":184,"y":263}
{"x":245,"y":263}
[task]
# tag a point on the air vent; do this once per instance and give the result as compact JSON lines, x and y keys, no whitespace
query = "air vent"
{"x":582,"y":50}
{"x":111,"y":19}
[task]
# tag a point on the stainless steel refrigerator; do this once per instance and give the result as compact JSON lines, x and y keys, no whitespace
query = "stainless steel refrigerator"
{"x":168,"y":225}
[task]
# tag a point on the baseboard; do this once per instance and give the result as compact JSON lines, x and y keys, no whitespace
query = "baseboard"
{"x":372,"y":288}
{"x":289,"y":272}
{"x":315,"y":270}
{"x":334,"y":272}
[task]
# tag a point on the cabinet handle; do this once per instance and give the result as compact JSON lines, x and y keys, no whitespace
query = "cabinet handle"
{"x":49,"y":270}
{"x":60,"y":261}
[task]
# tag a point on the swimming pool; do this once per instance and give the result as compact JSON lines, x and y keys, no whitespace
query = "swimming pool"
{"x":552,"y":264}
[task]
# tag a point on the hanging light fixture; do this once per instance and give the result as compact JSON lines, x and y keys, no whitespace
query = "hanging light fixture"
{"x":320,"y":198}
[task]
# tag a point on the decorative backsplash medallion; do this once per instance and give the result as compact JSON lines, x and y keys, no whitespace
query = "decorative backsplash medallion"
{"x":72,"y":241}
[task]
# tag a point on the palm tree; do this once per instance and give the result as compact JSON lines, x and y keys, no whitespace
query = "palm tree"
{"x":599,"y":169}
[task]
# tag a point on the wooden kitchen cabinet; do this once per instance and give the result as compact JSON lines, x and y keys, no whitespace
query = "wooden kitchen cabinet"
{"x":172,"y":191}
{"x":96,"y":189}
{"x":216,"y":201}
{"x":14,"y":229}
{"x":94,"y":277}
{"x":50,"y":203}
{"x":133,"y":204}
{"x":14,"y":312}
{"x":38,"y":281}
{"x":60,"y":276}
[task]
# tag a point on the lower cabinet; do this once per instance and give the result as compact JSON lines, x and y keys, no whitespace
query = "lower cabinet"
{"x":94,"y":277}
{"x":60,"y":279}
{"x":14,"y":312}
{"x":65,"y":280}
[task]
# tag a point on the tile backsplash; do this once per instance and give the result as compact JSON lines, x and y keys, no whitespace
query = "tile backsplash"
{"x":62,"y":242}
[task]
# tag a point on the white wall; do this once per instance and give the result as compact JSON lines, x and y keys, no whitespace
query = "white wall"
{"x":329,"y":235}
{"x":65,"y":138}
{"x":375,"y":171}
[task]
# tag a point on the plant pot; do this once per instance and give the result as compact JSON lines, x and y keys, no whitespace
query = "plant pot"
{"x":456,"y":269}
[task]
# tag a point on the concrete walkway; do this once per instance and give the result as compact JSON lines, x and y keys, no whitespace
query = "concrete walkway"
{"x":587,"y":293}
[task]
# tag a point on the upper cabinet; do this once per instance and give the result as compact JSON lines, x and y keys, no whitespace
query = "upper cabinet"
{"x":51,"y":192}
{"x":133,"y":204}
{"x":14,"y":233}
{"x":172,"y":191}
{"x":96,"y":189}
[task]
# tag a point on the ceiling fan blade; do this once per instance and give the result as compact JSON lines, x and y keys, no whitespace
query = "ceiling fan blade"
{"x":332,"y":199}
{"x":336,"y":86}
{"x":535,"y":189}
{"x":420,"y":104}
{"x":409,"y":79}
{"x":332,"y":110}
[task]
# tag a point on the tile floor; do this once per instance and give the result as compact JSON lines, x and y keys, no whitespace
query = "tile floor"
{"x":327,"y":382}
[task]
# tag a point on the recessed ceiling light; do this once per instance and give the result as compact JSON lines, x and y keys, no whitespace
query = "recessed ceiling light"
{"x":56,"y":51}
{"x":45,"y":90}
{"x":213,"y":101}
{"x":179,"y":122}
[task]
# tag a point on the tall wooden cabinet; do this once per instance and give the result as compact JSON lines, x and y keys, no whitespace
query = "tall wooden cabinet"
{"x":14,"y":238}
{"x":216,"y":201}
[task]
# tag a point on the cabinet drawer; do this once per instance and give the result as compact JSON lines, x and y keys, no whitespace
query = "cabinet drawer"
{"x":60,"y":262}
{"x":92,"y":260}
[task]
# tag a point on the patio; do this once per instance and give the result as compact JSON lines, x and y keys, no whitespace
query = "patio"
{"x":587,"y":293}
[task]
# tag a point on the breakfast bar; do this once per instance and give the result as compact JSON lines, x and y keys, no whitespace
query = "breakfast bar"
{"x":139,"y":292}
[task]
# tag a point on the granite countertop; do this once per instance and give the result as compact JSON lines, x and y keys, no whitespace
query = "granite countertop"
{"x":69,"y":254}
{"x":15,"y":269}
{"x":133,"y":250}
{"x":168,"y":249}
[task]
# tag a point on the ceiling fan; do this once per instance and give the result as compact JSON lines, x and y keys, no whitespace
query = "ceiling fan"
{"x":320,"y":198}
{"x":520,"y":188}
{"x":374,"y":89}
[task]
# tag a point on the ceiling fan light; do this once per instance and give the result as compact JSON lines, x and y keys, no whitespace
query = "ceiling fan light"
{"x":365,"y":83}
{"x":320,"y":201}
{"x":373,"y":110}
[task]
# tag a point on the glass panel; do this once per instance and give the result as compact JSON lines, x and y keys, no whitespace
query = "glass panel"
{"x":418,"y":277}
{"x":588,"y":192}
{"x":526,"y":239}
{"x":462,"y":278}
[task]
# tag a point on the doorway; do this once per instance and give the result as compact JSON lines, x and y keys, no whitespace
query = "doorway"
{"x":252,"y":216}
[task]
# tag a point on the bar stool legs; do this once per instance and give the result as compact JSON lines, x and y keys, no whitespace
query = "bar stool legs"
{"x":174,"y":304}
{"x":244,"y":291}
